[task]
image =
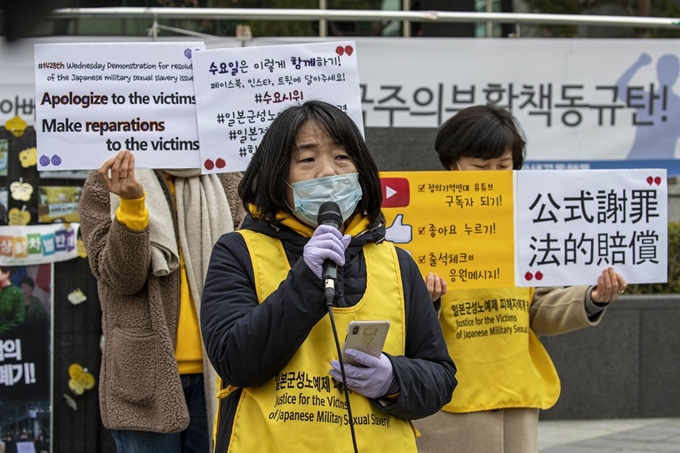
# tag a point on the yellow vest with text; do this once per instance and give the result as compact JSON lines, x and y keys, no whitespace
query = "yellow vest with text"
{"x":303,"y":409}
{"x":501,"y":362}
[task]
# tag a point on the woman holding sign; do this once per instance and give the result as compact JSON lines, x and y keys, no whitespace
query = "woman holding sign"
{"x":265,"y":319}
{"x":148,"y":235}
{"x":507,"y":376}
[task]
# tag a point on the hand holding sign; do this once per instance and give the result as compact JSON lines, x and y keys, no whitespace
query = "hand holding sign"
{"x":436,"y":286}
{"x":118,"y":176}
{"x":609,"y":286}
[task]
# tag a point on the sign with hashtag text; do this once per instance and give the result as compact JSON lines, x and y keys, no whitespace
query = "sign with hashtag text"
{"x":240,"y":91}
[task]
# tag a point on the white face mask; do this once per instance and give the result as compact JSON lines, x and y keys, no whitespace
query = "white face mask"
{"x":309,"y":195}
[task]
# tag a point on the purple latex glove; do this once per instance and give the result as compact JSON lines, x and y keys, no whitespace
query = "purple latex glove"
{"x":374,"y":379}
{"x":327,"y":243}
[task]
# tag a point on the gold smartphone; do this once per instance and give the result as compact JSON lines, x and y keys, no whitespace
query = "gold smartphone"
{"x":366,"y":336}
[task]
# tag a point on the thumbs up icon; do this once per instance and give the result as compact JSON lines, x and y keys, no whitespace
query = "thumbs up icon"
{"x":398,"y":232}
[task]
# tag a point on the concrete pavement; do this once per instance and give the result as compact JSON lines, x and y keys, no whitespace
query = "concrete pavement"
{"x":610,"y":436}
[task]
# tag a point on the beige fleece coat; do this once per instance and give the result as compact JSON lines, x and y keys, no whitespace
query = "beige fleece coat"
{"x":139,"y":383}
{"x":553,"y":311}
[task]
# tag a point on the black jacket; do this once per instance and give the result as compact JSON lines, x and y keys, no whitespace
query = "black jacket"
{"x":248,"y":343}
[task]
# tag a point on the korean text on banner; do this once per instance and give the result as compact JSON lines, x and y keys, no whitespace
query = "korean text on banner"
{"x":573,"y":224}
{"x":93,"y":100}
{"x":579,"y":110}
{"x":456,"y":224}
{"x":24,"y":245}
{"x":240,"y":91}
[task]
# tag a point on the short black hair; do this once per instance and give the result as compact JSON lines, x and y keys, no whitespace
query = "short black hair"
{"x":7,"y":269}
{"x":28,"y":280}
{"x":481,"y":131}
{"x":264,"y":181}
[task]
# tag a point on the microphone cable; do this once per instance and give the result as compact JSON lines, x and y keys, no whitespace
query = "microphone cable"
{"x":330,"y":214}
{"x":330,"y":296}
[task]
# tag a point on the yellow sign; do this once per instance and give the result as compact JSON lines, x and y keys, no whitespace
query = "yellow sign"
{"x":58,"y":204}
{"x":458,"y":224}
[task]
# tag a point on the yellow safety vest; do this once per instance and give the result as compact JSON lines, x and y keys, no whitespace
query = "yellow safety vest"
{"x":303,"y":409}
{"x":501,"y":362}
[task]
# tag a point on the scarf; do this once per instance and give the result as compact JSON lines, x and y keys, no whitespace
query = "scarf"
{"x":354,"y":226}
{"x":203,"y":215}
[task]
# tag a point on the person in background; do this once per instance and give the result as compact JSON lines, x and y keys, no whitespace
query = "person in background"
{"x":34,"y":310}
{"x":148,"y":236}
{"x":10,"y":443}
{"x":264,"y":317}
{"x":42,"y":445}
{"x":12,"y":309}
{"x":503,"y":379}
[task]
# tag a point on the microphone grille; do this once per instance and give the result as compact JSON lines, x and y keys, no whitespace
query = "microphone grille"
{"x":330,"y":214}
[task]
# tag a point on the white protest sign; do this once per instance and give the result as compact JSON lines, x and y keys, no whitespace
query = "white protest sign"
{"x":93,"y":100}
{"x":240,"y":91}
{"x":25,"y":447}
{"x":571,"y":225}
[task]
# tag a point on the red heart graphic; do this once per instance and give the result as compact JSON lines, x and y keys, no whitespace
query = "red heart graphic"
{"x":528,"y":276}
{"x":220,"y":163}
{"x":650,"y":180}
{"x":339,"y":50}
{"x":539,"y":275}
{"x":657,"y":180}
{"x":208,"y":164}
{"x":349,"y":50}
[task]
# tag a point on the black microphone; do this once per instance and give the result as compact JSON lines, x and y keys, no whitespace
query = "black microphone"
{"x":329,"y":214}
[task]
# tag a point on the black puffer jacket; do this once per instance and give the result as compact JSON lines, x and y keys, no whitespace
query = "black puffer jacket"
{"x":248,"y":343}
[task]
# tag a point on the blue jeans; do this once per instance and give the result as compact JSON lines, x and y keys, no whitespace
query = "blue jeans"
{"x":194,"y":439}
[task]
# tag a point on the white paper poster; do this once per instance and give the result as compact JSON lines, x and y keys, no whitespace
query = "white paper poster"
{"x":571,"y":225}
{"x":240,"y":91}
{"x":93,"y":100}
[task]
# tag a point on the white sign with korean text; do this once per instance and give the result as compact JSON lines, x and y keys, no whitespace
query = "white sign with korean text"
{"x":240,"y":91}
{"x":572,"y":225}
{"x":93,"y":100}
{"x":578,"y":109}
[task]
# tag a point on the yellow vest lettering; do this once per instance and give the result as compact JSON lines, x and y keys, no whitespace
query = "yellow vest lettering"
{"x":303,"y":409}
{"x":501,"y":363}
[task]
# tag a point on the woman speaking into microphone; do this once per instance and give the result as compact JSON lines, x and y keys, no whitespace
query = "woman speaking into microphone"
{"x":265,"y":320}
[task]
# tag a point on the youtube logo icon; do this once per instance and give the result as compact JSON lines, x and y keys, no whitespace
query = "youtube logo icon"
{"x":395,"y":192}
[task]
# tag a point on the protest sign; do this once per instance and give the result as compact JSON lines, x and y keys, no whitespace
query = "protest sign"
{"x":240,"y":91}
{"x":571,"y":225}
{"x":93,"y":100}
{"x":456,"y":224}
{"x":25,"y":362}
{"x":489,"y":229}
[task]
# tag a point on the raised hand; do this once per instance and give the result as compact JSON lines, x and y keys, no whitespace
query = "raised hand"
{"x":610,"y":286}
{"x":118,"y":176}
{"x":436,"y":286}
